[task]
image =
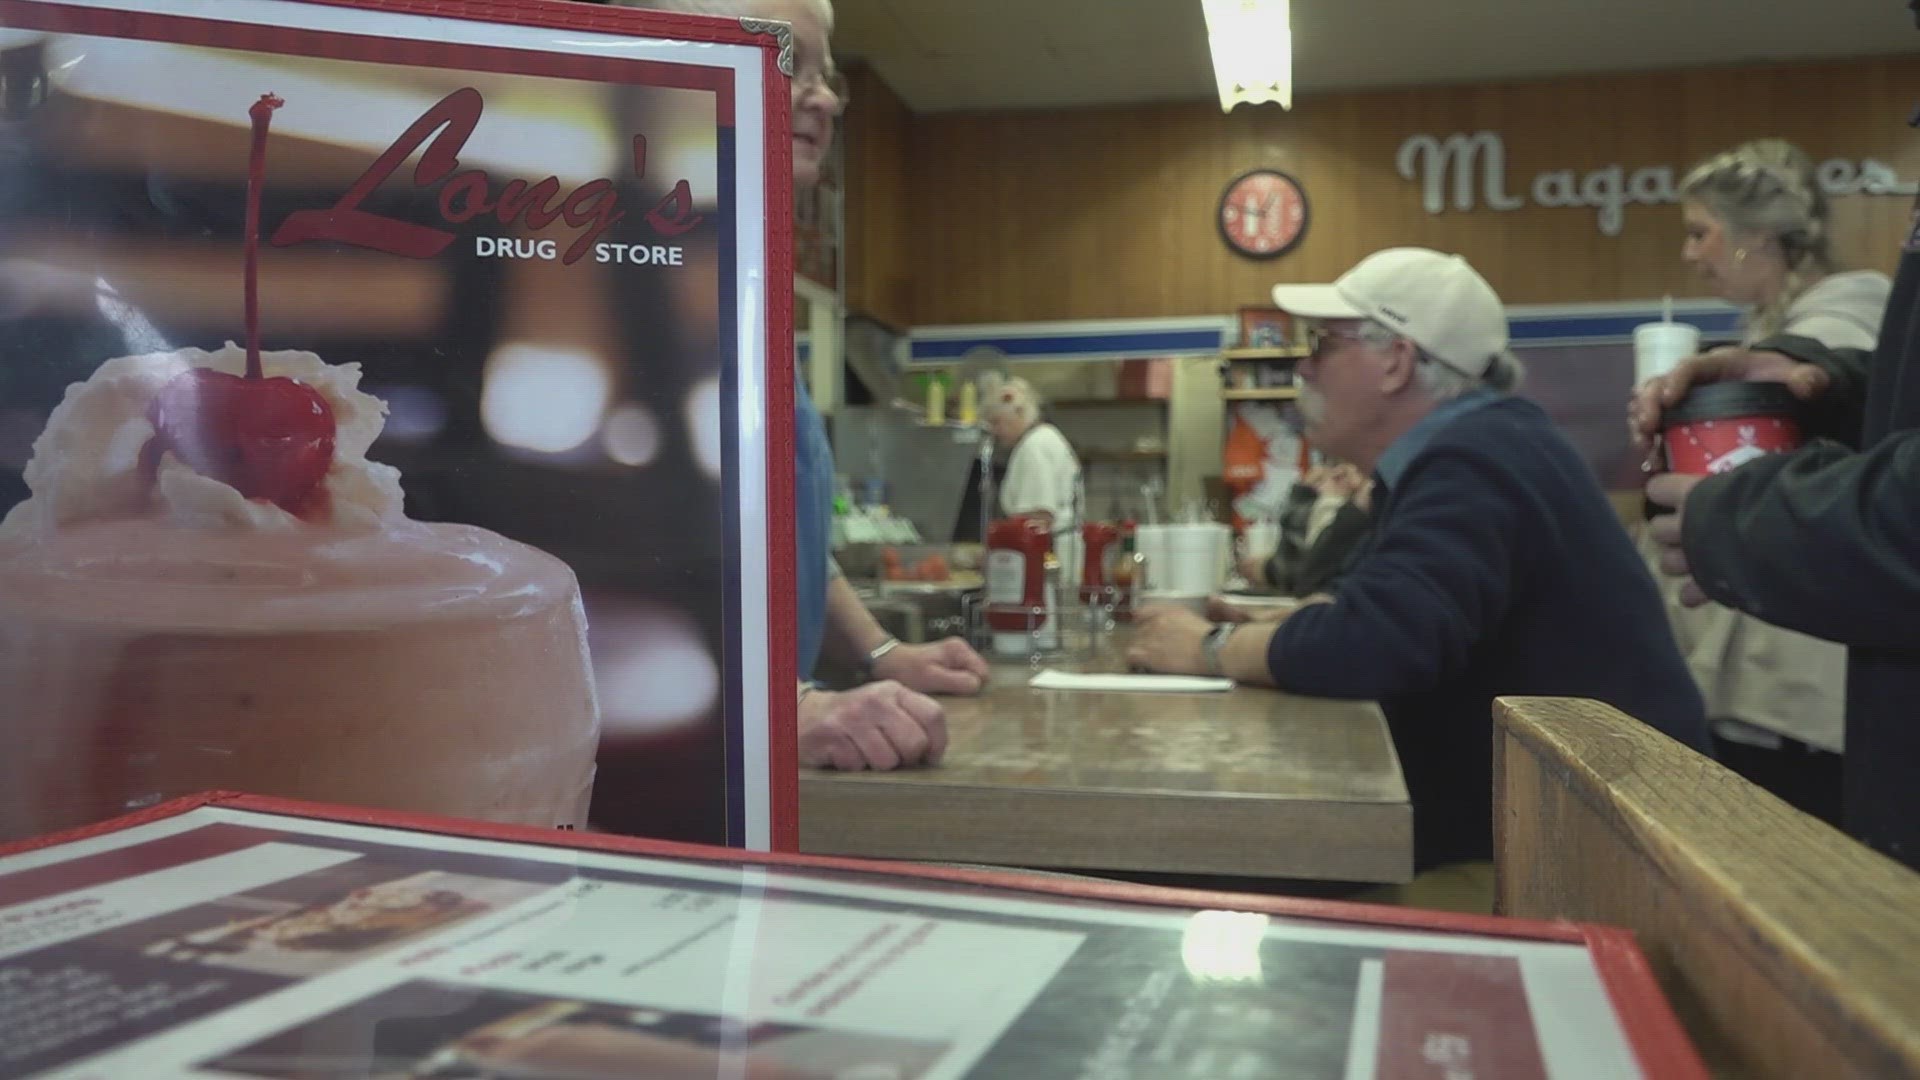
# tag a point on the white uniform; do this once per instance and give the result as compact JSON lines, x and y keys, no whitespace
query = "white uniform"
{"x":1041,"y":474}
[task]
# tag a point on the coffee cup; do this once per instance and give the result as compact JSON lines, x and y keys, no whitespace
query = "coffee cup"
{"x":1659,"y":347}
{"x":1721,"y":426}
{"x":1260,"y":540}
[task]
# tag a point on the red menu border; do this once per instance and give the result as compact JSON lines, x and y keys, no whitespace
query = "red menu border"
{"x":1659,"y":1043}
{"x":783,"y":779}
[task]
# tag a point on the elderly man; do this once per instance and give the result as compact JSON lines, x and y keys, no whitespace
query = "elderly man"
{"x":889,"y":721}
{"x":1495,"y":567}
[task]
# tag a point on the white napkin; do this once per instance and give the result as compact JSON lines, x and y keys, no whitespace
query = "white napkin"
{"x":1050,"y":679}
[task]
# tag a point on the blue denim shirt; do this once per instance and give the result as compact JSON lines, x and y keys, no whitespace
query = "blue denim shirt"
{"x":1394,"y":461}
{"x":813,"y":526}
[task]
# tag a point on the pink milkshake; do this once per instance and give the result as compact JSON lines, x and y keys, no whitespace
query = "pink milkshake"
{"x":161,"y":633}
{"x":212,"y":587}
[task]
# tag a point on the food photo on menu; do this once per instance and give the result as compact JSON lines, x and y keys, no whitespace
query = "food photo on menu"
{"x":434,"y":1030}
{"x":321,"y":921}
{"x":288,"y":513}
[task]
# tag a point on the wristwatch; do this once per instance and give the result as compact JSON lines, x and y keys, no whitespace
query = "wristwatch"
{"x":874,"y":655}
{"x":1211,"y":645}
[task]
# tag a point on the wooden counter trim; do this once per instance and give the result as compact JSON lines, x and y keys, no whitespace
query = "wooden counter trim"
{"x":882,"y":816}
{"x":1788,"y":949}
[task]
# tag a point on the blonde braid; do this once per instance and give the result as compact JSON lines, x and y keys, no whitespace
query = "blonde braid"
{"x":1769,"y":188}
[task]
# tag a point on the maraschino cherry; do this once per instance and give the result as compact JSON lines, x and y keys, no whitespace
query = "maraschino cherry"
{"x":270,"y":439}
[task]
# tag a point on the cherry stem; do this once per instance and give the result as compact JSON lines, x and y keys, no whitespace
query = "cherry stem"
{"x":262,"y":114}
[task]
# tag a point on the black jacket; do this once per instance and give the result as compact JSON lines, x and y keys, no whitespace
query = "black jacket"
{"x":1826,"y":540}
{"x":1302,"y":568}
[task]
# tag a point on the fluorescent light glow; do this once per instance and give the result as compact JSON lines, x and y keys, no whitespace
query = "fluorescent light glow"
{"x":632,"y":435}
{"x":651,"y":669}
{"x":544,"y":399}
{"x":1223,"y":946}
{"x":1252,"y":43}
{"x":703,"y":423}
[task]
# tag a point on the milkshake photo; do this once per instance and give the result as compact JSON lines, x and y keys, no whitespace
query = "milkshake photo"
{"x":376,"y":413}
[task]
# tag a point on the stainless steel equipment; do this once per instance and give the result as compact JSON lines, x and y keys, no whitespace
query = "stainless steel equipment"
{"x":925,"y":466}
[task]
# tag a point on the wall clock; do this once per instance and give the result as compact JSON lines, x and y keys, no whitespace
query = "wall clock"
{"x":1263,"y":213}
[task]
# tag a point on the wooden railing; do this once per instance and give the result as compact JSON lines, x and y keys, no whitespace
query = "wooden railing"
{"x":1788,"y":949}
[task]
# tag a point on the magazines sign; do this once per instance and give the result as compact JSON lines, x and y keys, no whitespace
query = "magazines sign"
{"x":1462,"y":171}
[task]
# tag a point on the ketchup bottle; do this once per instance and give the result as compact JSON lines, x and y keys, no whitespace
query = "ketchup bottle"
{"x":1129,"y":575}
{"x":1017,"y":550}
{"x":1095,"y":536}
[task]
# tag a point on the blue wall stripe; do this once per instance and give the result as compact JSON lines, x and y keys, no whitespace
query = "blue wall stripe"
{"x":1525,"y":330}
{"x":1537,"y":330}
{"x":1165,"y":341}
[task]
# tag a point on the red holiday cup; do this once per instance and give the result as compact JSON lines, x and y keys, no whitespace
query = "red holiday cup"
{"x":1720,"y":426}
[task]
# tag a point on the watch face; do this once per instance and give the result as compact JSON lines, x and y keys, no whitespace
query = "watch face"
{"x":1263,"y":214}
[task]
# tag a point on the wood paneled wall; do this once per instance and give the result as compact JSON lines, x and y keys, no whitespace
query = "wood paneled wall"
{"x":1109,"y":213}
{"x":880,"y":258}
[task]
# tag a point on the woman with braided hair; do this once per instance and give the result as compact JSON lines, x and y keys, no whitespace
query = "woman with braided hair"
{"x":1757,"y":234}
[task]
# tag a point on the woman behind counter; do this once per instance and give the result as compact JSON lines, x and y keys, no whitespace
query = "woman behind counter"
{"x":1043,"y":475}
{"x":1757,"y":234}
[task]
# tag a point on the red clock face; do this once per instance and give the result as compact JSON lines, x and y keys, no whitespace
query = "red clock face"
{"x":1263,"y":213}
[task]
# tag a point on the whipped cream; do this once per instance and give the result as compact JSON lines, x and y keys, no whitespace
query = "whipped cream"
{"x":86,"y":464}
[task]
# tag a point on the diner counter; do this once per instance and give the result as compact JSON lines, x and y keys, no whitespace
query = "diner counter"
{"x":1248,"y":783}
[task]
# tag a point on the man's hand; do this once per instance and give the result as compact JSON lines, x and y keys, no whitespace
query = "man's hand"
{"x":1168,"y":639}
{"x":881,"y":725}
{"x":1342,"y":482}
{"x":948,"y":666}
{"x":1722,"y":365}
{"x":1671,"y":490}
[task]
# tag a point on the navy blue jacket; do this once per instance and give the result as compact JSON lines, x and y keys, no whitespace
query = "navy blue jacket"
{"x":1496,"y":567}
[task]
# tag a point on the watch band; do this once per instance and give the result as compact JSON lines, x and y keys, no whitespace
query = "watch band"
{"x":1211,"y":645}
{"x":878,"y":651}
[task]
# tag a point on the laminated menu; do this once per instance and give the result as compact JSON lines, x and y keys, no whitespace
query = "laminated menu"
{"x":235,"y":936}
{"x":396,"y":410}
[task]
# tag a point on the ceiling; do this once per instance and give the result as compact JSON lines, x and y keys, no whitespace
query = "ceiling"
{"x":944,"y":55}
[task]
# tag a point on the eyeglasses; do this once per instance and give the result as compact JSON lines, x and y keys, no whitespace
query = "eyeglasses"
{"x":1321,"y":341}
{"x":830,"y":79}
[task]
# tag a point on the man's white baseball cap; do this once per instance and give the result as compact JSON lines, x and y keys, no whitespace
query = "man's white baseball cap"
{"x":1434,"y":299}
